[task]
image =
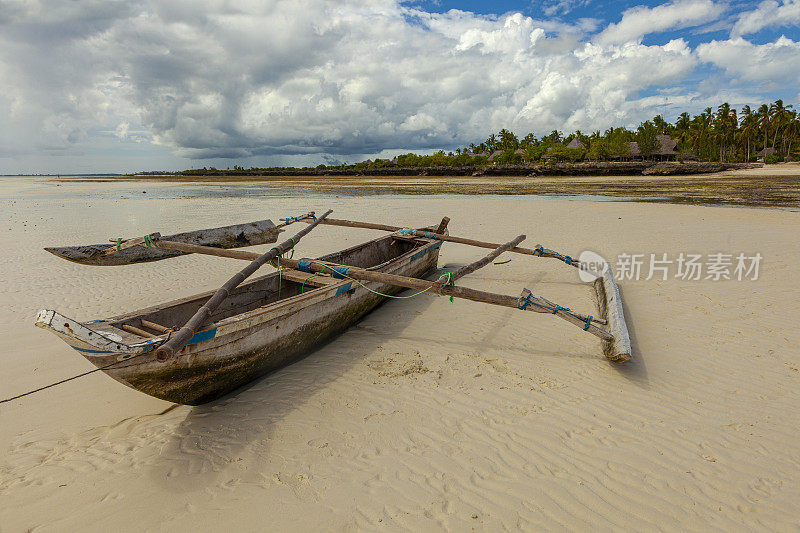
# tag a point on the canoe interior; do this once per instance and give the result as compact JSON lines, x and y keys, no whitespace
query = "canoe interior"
{"x":257,"y":292}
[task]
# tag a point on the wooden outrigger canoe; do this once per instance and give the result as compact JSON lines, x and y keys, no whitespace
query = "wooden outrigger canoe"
{"x":196,"y":349}
{"x":234,"y":236}
{"x":264,"y":324}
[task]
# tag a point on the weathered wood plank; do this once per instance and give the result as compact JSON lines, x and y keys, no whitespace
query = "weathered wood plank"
{"x":609,"y":302}
{"x":137,"y":331}
{"x":309,"y":279}
{"x":234,"y":236}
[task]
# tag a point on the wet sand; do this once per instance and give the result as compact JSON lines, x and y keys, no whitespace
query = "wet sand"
{"x":426,"y":414}
{"x":769,"y":186}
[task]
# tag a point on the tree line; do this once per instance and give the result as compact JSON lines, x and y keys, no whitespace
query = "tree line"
{"x":725,"y":135}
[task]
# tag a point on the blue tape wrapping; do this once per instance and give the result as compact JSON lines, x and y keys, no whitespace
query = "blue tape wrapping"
{"x":339,"y":272}
{"x":344,"y":288}
{"x":304,"y":265}
{"x":203,"y":336}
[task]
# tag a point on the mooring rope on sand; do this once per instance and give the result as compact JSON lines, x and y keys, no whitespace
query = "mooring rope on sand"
{"x":18,"y":396}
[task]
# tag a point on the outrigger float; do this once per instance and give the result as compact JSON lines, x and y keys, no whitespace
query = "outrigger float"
{"x":193,"y":350}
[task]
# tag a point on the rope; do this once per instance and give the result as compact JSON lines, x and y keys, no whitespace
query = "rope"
{"x":303,"y":285}
{"x":524,"y":302}
{"x":307,"y":264}
{"x":70,"y":379}
{"x":278,"y":267}
{"x":119,"y":242}
{"x":539,"y":250}
{"x":340,"y":272}
{"x":450,"y":282}
{"x":292,"y":220}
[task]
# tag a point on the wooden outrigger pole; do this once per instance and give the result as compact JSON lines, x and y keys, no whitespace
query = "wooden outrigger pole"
{"x":525,"y":302}
{"x":618,"y":349}
{"x":537,"y":251}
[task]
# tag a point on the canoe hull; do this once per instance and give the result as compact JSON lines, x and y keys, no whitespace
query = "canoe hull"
{"x":245,"y":347}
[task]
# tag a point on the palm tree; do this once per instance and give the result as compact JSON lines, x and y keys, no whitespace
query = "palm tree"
{"x":661,"y":125}
{"x":508,"y":141}
{"x":764,"y":120}
{"x":749,"y":126}
{"x":777,"y":111}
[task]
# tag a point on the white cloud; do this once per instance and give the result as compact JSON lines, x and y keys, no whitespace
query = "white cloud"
{"x":768,"y":13}
{"x":562,"y":7}
{"x":278,"y":78}
{"x":640,"y":21}
{"x":777,"y":62}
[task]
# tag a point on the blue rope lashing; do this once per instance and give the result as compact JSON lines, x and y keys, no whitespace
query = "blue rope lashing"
{"x":339,"y":272}
{"x":291,"y":220}
{"x":588,"y":322}
{"x":304,"y":265}
{"x":406,"y":231}
{"x":539,"y":250}
{"x":524,"y":303}
{"x":567,"y":259}
{"x":430,"y":234}
{"x":559,"y":308}
{"x":313,"y":216}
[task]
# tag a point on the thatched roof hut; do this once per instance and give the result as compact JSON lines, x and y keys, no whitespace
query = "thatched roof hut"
{"x":764,"y":153}
{"x":576,"y":144}
{"x":494,"y":155}
{"x":633,"y":148}
{"x":667,"y":147}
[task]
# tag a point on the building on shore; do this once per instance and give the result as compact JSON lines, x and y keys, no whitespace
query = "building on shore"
{"x":633,"y":150}
{"x":667,"y":148}
{"x":576,"y":144}
{"x":494,"y":155}
{"x":760,"y":156}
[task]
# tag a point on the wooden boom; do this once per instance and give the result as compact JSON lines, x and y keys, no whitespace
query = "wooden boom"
{"x":540,"y":305}
{"x":537,"y":251}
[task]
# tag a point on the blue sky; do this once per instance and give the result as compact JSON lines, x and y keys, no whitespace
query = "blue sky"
{"x":120,"y":86}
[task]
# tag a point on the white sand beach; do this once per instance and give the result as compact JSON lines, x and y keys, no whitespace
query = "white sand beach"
{"x":426,"y":415}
